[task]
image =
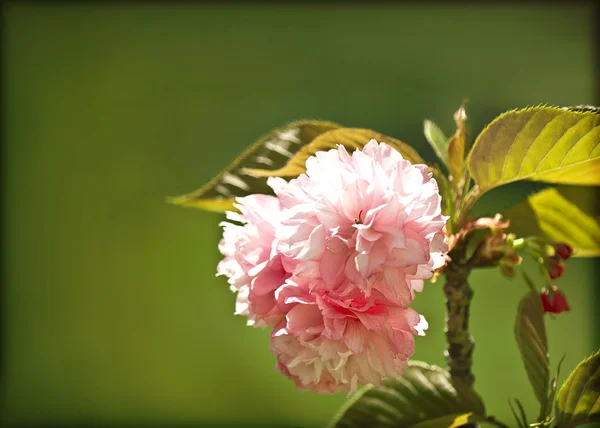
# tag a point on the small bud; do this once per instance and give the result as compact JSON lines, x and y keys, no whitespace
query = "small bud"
{"x":507,"y":271}
{"x":563,"y":250}
{"x":496,"y":248}
{"x":508,"y":263}
{"x":555,"y":267}
{"x":553,"y":301}
{"x":512,"y":259}
{"x":493,"y":247}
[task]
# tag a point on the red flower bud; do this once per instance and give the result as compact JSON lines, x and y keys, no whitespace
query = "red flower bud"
{"x":560,"y":303}
{"x":555,"y":267}
{"x":554,"y":301}
{"x":546,"y":305}
{"x":563,"y":250}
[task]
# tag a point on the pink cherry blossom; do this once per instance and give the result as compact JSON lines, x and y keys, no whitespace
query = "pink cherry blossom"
{"x":252,"y":262}
{"x":333,"y":262}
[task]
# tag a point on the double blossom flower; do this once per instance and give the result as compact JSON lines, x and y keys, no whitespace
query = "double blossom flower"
{"x":332,"y":263}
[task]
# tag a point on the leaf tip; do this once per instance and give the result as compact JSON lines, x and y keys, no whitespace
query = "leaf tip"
{"x":175,"y":200}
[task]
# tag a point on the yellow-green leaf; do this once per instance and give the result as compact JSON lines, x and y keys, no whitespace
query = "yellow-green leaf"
{"x":541,"y":144}
{"x":456,"y":149}
{"x":553,"y":214}
{"x":350,"y":138}
{"x":578,"y":400}
{"x":530,"y":333}
{"x":273,"y":150}
{"x":423,"y":393}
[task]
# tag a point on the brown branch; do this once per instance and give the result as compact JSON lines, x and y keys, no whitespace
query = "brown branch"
{"x":459,"y":354}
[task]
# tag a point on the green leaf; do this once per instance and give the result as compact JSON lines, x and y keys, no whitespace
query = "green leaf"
{"x":445,"y":190}
{"x":530,"y":333}
{"x":541,"y":144}
{"x":451,"y":421}
{"x":436,"y":138}
{"x":556,"y":215}
{"x":584,"y":108}
{"x":273,"y":150}
{"x":423,"y":393}
{"x":521,"y":419}
{"x":351,"y":138}
{"x":547,"y":410}
{"x":578,"y":400}
{"x":456,"y":149}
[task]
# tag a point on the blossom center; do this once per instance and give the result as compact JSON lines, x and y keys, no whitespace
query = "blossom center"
{"x":359,"y":219}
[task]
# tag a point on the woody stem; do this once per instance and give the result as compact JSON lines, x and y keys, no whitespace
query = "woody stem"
{"x":459,"y":354}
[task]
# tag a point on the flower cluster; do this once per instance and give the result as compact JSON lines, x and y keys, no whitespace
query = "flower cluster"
{"x":553,"y":299}
{"x":332,"y":264}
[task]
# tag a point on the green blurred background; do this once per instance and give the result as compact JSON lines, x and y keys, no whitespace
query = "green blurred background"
{"x":112,"y":313}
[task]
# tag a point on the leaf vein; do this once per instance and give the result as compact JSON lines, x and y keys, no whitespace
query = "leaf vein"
{"x":533,"y":143}
{"x":557,"y":140}
{"x":573,"y":146}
